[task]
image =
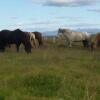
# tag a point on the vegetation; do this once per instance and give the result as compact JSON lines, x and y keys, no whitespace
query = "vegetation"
{"x":52,"y":72}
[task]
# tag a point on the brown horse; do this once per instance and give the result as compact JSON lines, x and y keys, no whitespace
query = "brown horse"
{"x":97,"y":39}
{"x":38,"y":36}
{"x":93,"y":46}
{"x":96,"y":43}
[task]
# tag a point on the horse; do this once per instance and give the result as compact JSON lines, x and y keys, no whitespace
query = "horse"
{"x":96,"y":43}
{"x":97,"y":39}
{"x":32,"y":39}
{"x":38,"y":36}
{"x":16,"y":37}
{"x":72,"y":36}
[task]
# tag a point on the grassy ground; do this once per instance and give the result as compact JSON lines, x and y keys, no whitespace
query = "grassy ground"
{"x":50,"y":73}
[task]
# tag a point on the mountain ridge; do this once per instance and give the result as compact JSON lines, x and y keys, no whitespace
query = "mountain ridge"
{"x":89,"y":30}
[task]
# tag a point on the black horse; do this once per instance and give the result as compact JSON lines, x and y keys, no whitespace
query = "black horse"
{"x":16,"y":37}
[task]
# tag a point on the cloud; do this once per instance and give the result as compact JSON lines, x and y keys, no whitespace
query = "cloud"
{"x":84,"y":25}
{"x":66,"y":3}
{"x":47,"y":26}
{"x":38,"y":1}
{"x":39,"y":25}
{"x":14,"y":17}
{"x":69,"y":18}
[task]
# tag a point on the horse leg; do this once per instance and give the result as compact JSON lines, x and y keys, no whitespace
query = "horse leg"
{"x":35,"y":42}
{"x":2,"y":49}
{"x":98,"y":43}
{"x":67,"y":42}
{"x":40,"y":42}
{"x":70,"y":43}
{"x":84,"y":43}
{"x":17,"y":46}
{"x":88,"y":43}
{"x":32,"y":43}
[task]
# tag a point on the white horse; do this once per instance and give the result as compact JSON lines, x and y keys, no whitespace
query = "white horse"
{"x":32,"y":39}
{"x":72,"y":36}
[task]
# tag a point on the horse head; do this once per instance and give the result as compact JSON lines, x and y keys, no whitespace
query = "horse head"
{"x":26,"y":42}
{"x":60,"y":33}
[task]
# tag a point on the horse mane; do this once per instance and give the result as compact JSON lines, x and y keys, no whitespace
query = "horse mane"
{"x":18,"y":30}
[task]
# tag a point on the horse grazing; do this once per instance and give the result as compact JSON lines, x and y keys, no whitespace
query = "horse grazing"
{"x":15,"y":37}
{"x":32,"y":39}
{"x":38,"y":36}
{"x":73,"y":36}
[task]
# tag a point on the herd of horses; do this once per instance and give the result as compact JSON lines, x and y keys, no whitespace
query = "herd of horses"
{"x":19,"y":37}
{"x":30,"y":39}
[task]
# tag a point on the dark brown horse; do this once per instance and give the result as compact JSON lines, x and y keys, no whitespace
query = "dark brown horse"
{"x":38,"y":36}
{"x":15,"y":37}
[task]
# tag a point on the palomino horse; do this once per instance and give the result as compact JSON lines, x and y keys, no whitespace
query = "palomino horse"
{"x":32,"y":39}
{"x":73,"y":36}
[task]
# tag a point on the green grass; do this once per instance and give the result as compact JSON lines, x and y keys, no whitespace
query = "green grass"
{"x":52,"y":72}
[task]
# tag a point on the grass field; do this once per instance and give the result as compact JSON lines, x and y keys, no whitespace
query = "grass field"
{"x":50,"y":73}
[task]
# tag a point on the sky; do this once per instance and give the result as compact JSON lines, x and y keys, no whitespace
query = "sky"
{"x":49,"y":15}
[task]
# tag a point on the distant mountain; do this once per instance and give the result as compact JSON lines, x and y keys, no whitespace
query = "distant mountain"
{"x":90,"y":30}
{"x":50,"y":33}
{"x":54,"y":32}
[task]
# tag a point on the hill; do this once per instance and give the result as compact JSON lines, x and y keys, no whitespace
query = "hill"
{"x":89,"y":30}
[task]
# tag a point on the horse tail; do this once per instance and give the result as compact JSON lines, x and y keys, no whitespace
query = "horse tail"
{"x":33,"y":39}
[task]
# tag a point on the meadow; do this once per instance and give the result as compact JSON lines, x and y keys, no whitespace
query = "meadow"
{"x":52,"y":72}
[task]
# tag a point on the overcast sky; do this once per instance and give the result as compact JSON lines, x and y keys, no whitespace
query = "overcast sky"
{"x":46,"y":15}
